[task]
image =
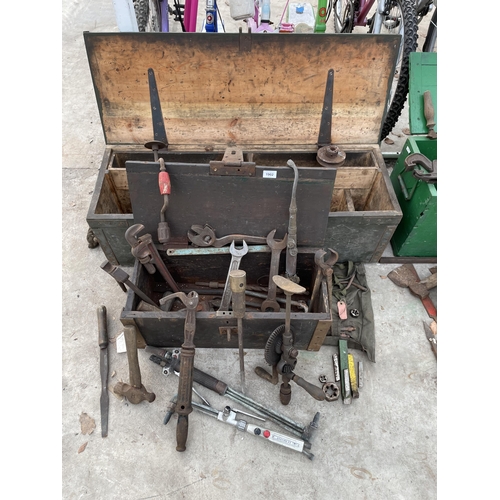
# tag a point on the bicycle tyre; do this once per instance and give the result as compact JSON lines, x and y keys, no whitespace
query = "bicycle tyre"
{"x":410,"y":38}
{"x":343,"y":15}
{"x":147,"y":13}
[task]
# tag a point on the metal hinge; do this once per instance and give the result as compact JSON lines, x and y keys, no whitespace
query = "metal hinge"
{"x":232,"y":164}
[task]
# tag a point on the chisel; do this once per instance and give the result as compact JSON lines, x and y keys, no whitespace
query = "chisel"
{"x":104,"y":368}
{"x":344,"y":368}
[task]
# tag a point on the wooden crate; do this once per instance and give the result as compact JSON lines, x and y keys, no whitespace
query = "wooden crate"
{"x":254,"y":91}
{"x":261,"y":94}
{"x":364,"y":211}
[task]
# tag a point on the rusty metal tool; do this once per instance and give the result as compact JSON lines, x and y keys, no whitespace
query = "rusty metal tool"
{"x":186,"y":371}
{"x":104,"y":367}
{"x":237,"y":282}
{"x":431,"y":338}
{"x":204,"y":236}
{"x":324,"y":267}
{"x":122,"y":279}
{"x":292,"y":250}
{"x":276,"y":246}
{"x":336,"y":368}
{"x":237,"y":254}
{"x":281,"y":352}
{"x":216,"y":284}
{"x":418,"y":159}
{"x":406,"y":276}
{"x":301,"y":304}
{"x":160,"y":142}
{"x":429,"y":115}
{"x":228,"y":415}
{"x":331,"y":391}
{"x":170,"y":362}
{"x":135,"y":392}
{"x":144,"y":250}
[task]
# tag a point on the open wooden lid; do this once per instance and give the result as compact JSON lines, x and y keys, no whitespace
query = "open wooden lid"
{"x":258,"y":90}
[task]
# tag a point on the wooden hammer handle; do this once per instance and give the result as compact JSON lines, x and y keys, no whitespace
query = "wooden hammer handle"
{"x":429,"y":110}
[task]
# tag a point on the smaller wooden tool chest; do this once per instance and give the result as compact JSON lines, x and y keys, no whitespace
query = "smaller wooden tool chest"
{"x":265,"y":100}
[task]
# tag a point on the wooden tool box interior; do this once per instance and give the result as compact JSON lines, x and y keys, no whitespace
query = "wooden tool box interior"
{"x":261,"y":93}
{"x":166,"y":329}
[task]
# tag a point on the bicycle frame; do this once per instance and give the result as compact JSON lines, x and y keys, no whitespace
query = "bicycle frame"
{"x":211,"y":16}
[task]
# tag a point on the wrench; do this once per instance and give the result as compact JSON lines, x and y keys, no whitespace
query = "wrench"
{"x":323,"y":267}
{"x":204,"y":236}
{"x":144,"y":250}
{"x":237,"y":254}
{"x":270,"y":304}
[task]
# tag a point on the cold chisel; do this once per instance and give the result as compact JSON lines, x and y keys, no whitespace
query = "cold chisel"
{"x":104,"y":368}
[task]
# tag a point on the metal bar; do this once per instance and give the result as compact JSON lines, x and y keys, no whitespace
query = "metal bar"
{"x":213,"y":250}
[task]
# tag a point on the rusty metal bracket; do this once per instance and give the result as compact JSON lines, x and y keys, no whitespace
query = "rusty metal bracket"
{"x":245,"y":40}
{"x":228,"y":331}
{"x":233,"y":164}
{"x":325,"y":126}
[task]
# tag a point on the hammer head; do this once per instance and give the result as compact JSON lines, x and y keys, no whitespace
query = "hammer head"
{"x":134,"y":394}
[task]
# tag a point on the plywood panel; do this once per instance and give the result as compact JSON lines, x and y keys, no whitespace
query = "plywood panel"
{"x":241,"y":89}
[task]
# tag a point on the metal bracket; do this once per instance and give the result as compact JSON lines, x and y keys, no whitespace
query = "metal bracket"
{"x":325,"y":126}
{"x":160,"y":134}
{"x":228,"y":331}
{"x":245,"y":40}
{"x":232,"y":164}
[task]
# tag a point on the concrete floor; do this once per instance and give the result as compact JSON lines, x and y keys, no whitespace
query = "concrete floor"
{"x":383,"y":446}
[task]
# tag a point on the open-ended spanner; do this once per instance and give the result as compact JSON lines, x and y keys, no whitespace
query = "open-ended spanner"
{"x":144,"y":250}
{"x":325,"y":268}
{"x":204,"y":236}
{"x":276,"y":246}
{"x":237,"y":254}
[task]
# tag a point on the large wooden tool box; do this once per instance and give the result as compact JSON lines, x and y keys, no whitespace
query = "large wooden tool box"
{"x":258,"y":100}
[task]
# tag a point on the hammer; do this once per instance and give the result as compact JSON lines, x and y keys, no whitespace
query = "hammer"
{"x":135,"y":392}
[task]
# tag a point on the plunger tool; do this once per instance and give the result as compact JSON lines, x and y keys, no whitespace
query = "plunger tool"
{"x":237,"y":281}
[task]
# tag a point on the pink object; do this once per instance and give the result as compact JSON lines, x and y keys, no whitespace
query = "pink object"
{"x":342,"y":308}
{"x":190,"y":15}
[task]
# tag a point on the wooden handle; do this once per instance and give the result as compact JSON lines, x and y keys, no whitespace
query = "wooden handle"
{"x":182,"y":432}
{"x":102,"y":326}
{"x":429,"y":110}
{"x":315,"y":392}
{"x":238,"y":282}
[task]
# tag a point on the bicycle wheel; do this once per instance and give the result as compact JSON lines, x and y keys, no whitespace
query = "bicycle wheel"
{"x":399,"y":18}
{"x":147,"y":13}
{"x":343,"y":16}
